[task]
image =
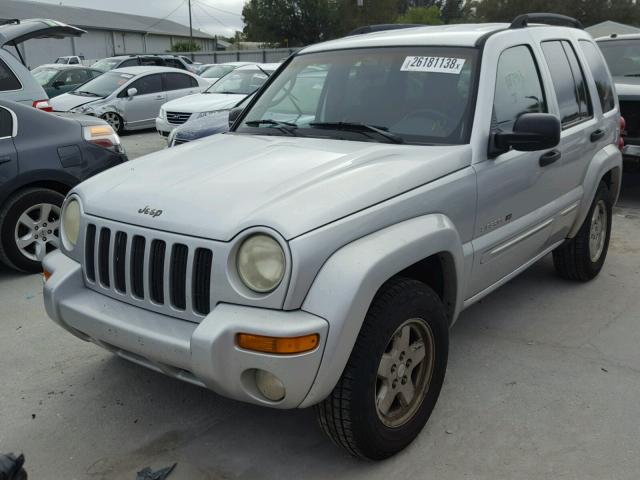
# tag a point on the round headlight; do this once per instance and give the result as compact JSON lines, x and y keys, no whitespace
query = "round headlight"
{"x":261,"y":263}
{"x":71,"y":224}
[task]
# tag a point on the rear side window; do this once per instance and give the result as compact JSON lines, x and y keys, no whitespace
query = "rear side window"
{"x":133,"y":62}
{"x":518,"y":88}
{"x":6,"y":123}
{"x":600,"y":75}
{"x":172,"y":62}
{"x":151,"y":61}
{"x":8,"y":81}
{"x":178,"y":81}
{"x":568,"y":82}
{"x":148,"y":84}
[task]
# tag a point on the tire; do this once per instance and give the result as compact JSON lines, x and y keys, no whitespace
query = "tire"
{"x":578,"y":259}
{"x":352,"y":415}
{"x":14,"y":225}
{"x":115,"y":120}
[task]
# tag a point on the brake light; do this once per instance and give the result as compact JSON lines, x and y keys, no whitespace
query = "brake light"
{"x":43,"y":105}
{"x":104,"y":136}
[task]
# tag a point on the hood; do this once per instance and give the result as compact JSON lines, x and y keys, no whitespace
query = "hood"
{"x":203,"y":127}
{"x":23,"y":30}
{"x":203,"y":102}
{"x":219,"y":186}
{"x":68,"y":101}
{"x":627,"y":86}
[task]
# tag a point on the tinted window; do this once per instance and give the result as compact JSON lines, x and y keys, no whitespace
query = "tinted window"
{"x":172,"y":62}
{"x":151,"y":61}
{"x":600,"y":75}
{"x":74,"y":61}
{"x":132,"y":62}
{"x":8,"y":80}
{"x":177,"y":81}
{"x":518,"y":88}
{"x":6,"y":123}
{"x":568,"y":82}
{"x":148,"y":84}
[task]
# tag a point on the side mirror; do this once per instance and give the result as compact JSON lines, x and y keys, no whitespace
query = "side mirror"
{"x":132,"y":92}
{"x":57,"y":84}
{"x":531,"y":132}
{"x":234,"y":113}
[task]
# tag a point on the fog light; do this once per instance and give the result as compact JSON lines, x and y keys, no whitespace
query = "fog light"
{"x":270,"y":386}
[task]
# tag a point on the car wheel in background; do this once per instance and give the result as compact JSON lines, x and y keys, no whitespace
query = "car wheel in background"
{"x":394,"y":374}
{"x":114,"y":120}
{"x":30,"y":228}
{"x":582,"y":257}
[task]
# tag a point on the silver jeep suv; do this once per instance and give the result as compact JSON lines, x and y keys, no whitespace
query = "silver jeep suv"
{"x":375,"y":187}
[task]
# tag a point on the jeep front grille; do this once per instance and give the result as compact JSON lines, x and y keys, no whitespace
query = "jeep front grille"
{"x":148,"y":268}
{"x":177,"y":118}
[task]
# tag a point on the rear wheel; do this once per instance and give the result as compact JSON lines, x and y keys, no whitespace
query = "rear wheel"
{"x":114,"y":120}
{"x":29,"y":228}
{"x":394,"y":375}
{"x":582,"y":257}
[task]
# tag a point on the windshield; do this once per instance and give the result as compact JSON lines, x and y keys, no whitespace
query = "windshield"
{"x":43,"y":75}
{"x":104,"y":85}
{"x":217,"y":71}
{"x":419,"y":95}
{"x":106,"y":64}
{"x":241,"y":82}
{"x":623,"y":57}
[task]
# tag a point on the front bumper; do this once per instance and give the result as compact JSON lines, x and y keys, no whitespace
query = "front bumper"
{"x":202,"y":353}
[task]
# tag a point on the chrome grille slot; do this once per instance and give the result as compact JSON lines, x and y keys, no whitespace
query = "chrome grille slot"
{"x":159,"y":271}
{"x":177,"y":118}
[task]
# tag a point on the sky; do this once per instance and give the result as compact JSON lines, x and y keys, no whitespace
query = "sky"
{"x":216,"y":17}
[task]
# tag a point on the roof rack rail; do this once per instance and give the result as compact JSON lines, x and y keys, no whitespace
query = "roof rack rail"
{"x":381,"y":27}
{"x":522,"y":21}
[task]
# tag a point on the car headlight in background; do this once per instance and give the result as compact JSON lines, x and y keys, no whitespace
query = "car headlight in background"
{"x":261,"y":263}
{"x":104,"y":136}
{"x":212,"y":113}
{"x":70,"y":224}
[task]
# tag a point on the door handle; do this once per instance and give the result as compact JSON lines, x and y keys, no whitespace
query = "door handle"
{"x":549,"y":157}
{"x":159,"y":97}
{"x":597,"y":135}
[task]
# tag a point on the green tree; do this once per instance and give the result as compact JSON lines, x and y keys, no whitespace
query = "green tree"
{"x":185,"y":46}
{"x":452,"y":11}
{"x":421,"y":15}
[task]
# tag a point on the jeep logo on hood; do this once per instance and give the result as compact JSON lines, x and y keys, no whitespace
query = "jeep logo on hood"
{"x":153,"y":212}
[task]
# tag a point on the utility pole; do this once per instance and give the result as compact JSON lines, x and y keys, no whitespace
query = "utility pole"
{"x":190,"y":31}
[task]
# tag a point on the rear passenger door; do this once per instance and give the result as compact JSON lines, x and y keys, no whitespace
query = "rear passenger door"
{"x":8,"y":154}
{"x":178,"y":85}
{"x":580,"y":130}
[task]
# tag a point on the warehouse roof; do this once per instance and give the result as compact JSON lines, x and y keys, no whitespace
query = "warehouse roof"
{"x":96,"y":19}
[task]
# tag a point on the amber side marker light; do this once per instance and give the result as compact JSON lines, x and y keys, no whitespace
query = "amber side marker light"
{"x":46,"y":275}
{"x":282,"y":345}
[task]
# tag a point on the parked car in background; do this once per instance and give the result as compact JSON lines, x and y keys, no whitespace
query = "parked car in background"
{"x":70,"y":60}
{"x":622,"y":53}
{"x":214,"y":72}
{"x":129,"y":98}
{"x":319,"y":253}
{"x":57,"y":79}
{"x":193,"y":66}
{"x":43,"y":156}
{"x":16,"y":81}
{"x":134,"y":60}
{"x":217,"y":99}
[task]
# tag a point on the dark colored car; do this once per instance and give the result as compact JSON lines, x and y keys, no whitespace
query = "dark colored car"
{"x":133,"y":60}
{"x":43,"y":156}
{"x":60,"y":78}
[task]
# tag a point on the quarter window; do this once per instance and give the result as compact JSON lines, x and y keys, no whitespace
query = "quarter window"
{"x":6,"y":123}
{"x":148,"y":84}
{"x":178,"y":81}
{"x":518,"y":88}
{"x":8,"y":81}
{"x":568,"y":82}
{"x":600,"y":74}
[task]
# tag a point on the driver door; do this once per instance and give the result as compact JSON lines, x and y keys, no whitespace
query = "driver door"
{"x":141,"y":110}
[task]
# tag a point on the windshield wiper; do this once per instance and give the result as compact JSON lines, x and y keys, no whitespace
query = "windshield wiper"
{"x":359,"y":127}
{"x":286,"y":127}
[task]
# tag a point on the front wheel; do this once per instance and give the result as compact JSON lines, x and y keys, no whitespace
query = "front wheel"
{"x":114,"y":120}
{"x":393,"y":378}
{"x":582,"y":257}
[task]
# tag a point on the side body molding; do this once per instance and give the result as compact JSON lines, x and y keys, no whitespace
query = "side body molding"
{"x":609,"y":158}
{"x":348,"y":281}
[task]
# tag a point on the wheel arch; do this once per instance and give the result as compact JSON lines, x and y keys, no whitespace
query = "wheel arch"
{"x":426,"y":248}
{"x":60,"y":182}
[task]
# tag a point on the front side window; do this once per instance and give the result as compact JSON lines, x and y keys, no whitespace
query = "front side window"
{"x":568,"y":82}
{"x":178,"y":81}
{"x":148,"y":84}
{"x":415,"y":95}
{"x":600,"y":75}
{"x":132,"y":62}
{"x":73,"y":77}
{"x":8,"y":81}
{"x":240,"y":82}
{"x":518,"y":88}
{"x":172,"y":62}
{"x":104,"y":85}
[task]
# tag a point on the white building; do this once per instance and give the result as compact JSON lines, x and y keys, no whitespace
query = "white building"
{"x":108,"y":33}
{"x":607,"y":28}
